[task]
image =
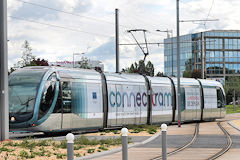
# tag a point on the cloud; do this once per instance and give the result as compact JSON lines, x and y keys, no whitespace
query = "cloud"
{"x":97,"y":18}
{"x":36,"y":12}
{"x":81,"y":6}
{"x":105,"y":51}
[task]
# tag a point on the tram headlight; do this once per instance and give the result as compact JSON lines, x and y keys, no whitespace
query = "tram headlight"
{"x":12,"y":119}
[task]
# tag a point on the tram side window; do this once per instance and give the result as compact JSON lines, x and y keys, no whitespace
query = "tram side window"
{"x":47,"y":96}
{"x":220,"y":99}
{"x":182,"y":90}
{"x":67,"y":97}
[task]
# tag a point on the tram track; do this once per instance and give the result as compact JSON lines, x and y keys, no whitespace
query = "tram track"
{"x":227,"y":147}
{"x":184,"y":146}
{"x":196,"y":133}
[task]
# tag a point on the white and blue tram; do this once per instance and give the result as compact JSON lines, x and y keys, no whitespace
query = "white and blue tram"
{"x":53,"y":99}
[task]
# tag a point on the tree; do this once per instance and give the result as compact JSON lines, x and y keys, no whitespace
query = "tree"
{"x":231,"y":84}
{"x":28,"y":59}
{"x":196,"y":73}
{"x":11,"y":70}
{"x":160,"y":74}
{"x":150,"y":69}
{"x":141,"y":68}
{"x":84,"y":63}
{"x":38,"y":62}
{"x":27,"y":56}
{"x":187,"y":74}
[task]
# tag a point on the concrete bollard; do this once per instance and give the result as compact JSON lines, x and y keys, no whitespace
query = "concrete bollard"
{"x":164,"y":141}
{"x":70,"y":146}
{"x":124,"y":132}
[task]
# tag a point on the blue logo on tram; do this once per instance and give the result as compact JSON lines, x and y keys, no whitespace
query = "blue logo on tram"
{"x":158,"y":99}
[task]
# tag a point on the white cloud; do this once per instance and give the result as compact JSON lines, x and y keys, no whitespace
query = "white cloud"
{"x":54,"y":43}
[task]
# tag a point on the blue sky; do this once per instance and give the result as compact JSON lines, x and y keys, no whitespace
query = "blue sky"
{"x":96,"y":17}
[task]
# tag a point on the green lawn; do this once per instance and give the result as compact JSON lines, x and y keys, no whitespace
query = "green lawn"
{"x":229,"y":109}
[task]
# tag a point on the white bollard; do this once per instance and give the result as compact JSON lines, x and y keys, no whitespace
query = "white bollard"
{"x":124,"y":132}
{"x":70,"y":146}
{"x":164,"y":141}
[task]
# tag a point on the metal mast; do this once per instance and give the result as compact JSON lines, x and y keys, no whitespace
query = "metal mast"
{"x":178,"y":70}
{"x":4,"y":111}
{"x":117,"y":41}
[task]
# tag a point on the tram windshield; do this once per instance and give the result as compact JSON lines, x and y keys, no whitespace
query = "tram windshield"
{"x":23,"y":85}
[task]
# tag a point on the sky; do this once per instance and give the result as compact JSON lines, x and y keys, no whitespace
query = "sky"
{"x":56,"y":29}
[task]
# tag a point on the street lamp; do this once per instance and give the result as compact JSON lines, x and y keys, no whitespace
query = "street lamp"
{"x":74,"y":55}
{"x":168,"y":36}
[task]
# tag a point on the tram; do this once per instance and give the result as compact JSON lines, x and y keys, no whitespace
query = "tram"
{"x":55,"y":99}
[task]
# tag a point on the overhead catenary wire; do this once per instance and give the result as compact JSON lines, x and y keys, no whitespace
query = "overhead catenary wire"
{"x":155,"y":34}
{"x":162,"y":43}
{"x":199,"y":11}
{"x":74,"y":14}
{"x":70,"y":13}
{"x":135,"y":17}
{"x":208,"y":13}
{"x":140,"y":20}
{"x":57,"y":26}
{"x":199,"y":20}
{"x":125,"y":37}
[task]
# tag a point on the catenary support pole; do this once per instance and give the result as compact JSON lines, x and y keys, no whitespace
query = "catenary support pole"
{"x":70,"y":146}
{"x":117,"y":41}
{"x":202,"y":55}
{"x":178,"y":69}
{"x":124,"y":143}
{"x":4,"y":112}
{"x":164,"y":141}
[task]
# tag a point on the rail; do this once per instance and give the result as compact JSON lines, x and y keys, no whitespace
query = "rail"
{"x":227,"y":147}
{"x":184,"y":146}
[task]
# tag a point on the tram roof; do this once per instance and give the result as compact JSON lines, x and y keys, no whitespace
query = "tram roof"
{"x":159,"y":80}
{"x":206,"y":82}
{"x":125,"y":77}
{"x":78,"y":73}
{"x":186,"y":81}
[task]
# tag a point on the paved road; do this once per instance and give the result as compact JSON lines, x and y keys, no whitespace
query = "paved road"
{"x":209,"y":141}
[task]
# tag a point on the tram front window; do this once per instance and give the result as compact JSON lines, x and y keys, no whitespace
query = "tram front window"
{"x":23,"y":85}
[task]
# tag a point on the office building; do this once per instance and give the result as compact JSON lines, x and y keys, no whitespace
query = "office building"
{"x":220,"y":58}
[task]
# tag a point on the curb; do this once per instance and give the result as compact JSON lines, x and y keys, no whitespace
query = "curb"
{"x":100,"y":154}
{"x":234,"y":126}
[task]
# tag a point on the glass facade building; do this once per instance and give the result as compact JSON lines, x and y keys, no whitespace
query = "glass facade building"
{"x":220,"y":48}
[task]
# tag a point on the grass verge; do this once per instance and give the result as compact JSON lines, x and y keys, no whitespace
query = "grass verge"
{"x":230,"y":109}
{"x":52,"y":150}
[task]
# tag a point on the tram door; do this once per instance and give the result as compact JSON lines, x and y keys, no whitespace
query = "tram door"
{"x":67,"y":105}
